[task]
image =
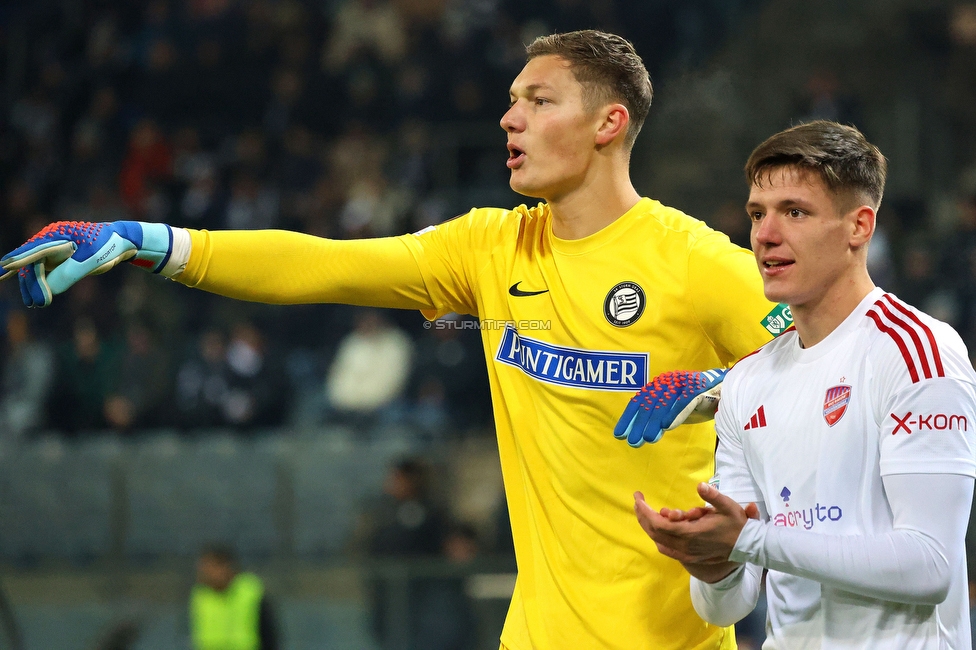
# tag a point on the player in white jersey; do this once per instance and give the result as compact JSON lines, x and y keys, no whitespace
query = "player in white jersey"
{"x":846,"y":455}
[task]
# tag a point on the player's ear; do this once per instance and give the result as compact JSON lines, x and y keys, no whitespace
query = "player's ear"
{"x":614,"y":119}
{"x":862,"y":225}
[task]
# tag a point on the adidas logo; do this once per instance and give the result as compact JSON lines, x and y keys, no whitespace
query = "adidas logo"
{"x":758,"y":419}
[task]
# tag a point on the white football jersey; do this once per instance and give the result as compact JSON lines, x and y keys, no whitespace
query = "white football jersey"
{"x":811,"y":432}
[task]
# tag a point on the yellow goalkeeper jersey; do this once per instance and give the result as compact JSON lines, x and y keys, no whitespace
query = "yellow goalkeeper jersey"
{"x":571,"y":330}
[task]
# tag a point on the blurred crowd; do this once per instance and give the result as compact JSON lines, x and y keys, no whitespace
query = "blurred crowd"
{"x":340,"y":118}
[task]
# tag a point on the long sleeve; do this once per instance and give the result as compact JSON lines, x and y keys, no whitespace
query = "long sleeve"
{"x":913,"y":563}
{"x":275,"y":266}
{"x":729,"y":600}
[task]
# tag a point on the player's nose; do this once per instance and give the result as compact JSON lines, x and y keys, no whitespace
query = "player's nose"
{"x":512,"y":120}
{"x":765,"y":232}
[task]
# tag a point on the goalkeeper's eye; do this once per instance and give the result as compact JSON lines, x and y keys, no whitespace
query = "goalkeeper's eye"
{"x":756,"y":216}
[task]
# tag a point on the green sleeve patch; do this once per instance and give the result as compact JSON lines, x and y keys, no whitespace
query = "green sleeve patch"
{"x":778,"y":320}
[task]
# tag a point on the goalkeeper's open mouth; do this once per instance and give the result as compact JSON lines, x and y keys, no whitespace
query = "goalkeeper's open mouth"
{"x":515,"y":157}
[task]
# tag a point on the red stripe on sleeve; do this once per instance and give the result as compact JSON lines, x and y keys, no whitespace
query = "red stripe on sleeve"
{"x":925,"y":328}
{"x":922,"y":355}
{"x":899,"y":342}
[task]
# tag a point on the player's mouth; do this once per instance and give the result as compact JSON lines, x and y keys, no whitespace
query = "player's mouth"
{"x":774,"y":266}
{"x":515,"y":157}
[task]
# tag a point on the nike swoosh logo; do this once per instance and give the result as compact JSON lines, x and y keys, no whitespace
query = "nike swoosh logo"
{"x":518,"y":293}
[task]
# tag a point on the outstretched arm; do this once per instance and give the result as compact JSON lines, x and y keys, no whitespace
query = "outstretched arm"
{"x":270,"y":266}
{"x":281,"y":267}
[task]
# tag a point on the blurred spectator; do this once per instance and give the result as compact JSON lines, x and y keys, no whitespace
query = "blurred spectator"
{"x":87,"y":374}
{"x":229,"y":608}
{"x":252,"y":205}
{"x":287,"y":90}
{"x":257,"y":390}
{"x":143,"y":384}
{"x":28,"y":372}
{"x":445,"y":616}
{"x":430,"y":407}
{"x":89,"y":165}
{"x":371,"y":367}
{"x":102,"y":205}
{"x":120,"y":636}
{"x":881,"y":265}
{"x":823,"y":99}
{"x":20,"y":202}
{"x":149,"y":160}
{"x":190,"y":161}
{"x":41,"y":168}
{"x":104,"y":122}
{"x":36,"y":117}
{"x":299,"y":165}
{"x":404,"y":524}
{"x":364,"y":28}
{"x":202,"y":382}
{"x":918,"y":269}
{"x":922,"y":283}
{"x":202,"y":204}
{"x":413,"y":159}
{"x":450,"y":369}
{"x":731,"y":219}
{"x":162,"y":87}
{"x":250,"y":153}
{"x":357,"y":154}
{"x":960,"y":258}
{"x":373,"y":208}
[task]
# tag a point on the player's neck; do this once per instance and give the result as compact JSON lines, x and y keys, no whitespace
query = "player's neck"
{"x":815,"y":320}
{"x":593,"y":206}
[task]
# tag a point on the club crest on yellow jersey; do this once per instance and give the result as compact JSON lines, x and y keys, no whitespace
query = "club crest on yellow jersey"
{"x":624,"y":304}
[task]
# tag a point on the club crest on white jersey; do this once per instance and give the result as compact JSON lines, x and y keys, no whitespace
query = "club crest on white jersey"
{"x":835,"y":403}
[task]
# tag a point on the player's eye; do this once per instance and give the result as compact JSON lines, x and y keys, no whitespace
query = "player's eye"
{"x":756,"y":216}
{"x":796,"y":212}
{"x":541,"y":101}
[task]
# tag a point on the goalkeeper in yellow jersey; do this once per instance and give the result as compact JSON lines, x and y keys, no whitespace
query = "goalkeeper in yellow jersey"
{"x":583,"y":298}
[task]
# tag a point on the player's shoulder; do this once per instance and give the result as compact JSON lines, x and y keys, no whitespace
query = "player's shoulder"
{"x":908,"y":344}
{"x":492,"y":223}
{"x":499,"y":217}
{"x":671,"y":221}
{"x":680,"y":233}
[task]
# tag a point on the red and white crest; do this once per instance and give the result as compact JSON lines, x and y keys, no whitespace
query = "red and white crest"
{"x":835,"y":403}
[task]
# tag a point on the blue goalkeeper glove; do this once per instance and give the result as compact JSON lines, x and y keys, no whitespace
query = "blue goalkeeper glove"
{"x":670,"y":400}
{"x":66,"y":251}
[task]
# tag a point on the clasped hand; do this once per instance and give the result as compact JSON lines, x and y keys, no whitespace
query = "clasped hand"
{"x":701,"y":538}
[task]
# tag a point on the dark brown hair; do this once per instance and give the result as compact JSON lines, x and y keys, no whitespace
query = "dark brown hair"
{"x":608,"y":68}
{"x":840,"y":155}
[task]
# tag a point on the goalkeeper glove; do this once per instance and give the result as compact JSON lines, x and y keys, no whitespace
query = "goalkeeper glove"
{"x":66,"y":251}
{"x":670,"y":400}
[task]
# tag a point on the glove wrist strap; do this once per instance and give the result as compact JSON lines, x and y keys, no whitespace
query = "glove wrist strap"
{"x":179,"y":253}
